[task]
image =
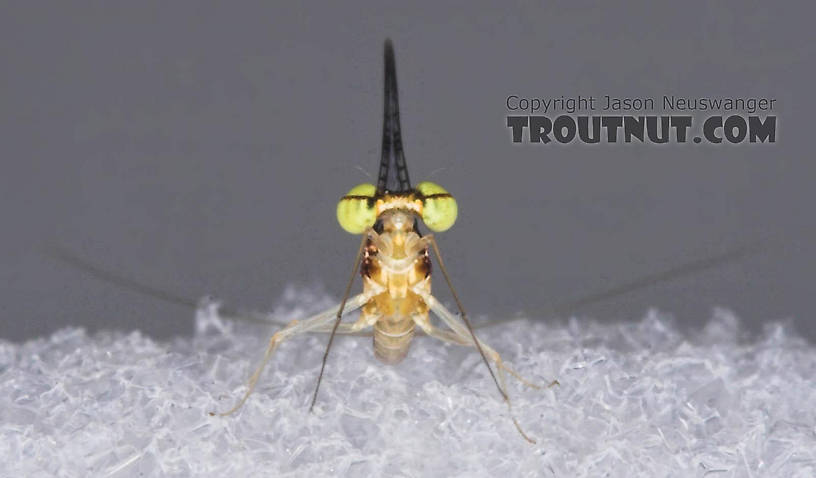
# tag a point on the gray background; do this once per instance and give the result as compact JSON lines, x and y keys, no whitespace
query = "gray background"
{"x":202,"y":148}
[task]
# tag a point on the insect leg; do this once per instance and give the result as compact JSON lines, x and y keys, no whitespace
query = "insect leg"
{"x":295,"y":328}
{"x":356,"y":328}
{"x":464,"y":330}
{"x":460,"y":335}
{"x":432,"y":241}
{"x":357,"y":260}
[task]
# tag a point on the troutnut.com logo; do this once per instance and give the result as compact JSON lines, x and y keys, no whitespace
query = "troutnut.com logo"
{"x":714,"y":120}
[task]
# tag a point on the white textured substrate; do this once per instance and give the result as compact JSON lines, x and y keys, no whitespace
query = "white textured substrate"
{"x":636,"y":399}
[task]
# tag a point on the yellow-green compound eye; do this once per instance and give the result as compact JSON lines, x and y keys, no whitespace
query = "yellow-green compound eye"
{"x":356,"y":212}
{"x":438,"y":206}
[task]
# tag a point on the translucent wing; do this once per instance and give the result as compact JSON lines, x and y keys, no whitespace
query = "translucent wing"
{"x":393,"y":174}
{"x":566,"y":307}
{"x":67,"y":257}
{"x":688,"y":269}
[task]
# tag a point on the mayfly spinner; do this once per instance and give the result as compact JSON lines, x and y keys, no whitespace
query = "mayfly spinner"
{"x":394,"y":260}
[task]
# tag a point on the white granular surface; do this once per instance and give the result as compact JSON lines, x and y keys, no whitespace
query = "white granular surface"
{"x":636,"y":399}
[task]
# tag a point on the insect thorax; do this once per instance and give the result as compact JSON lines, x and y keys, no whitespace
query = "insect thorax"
{"x":396,"y":259}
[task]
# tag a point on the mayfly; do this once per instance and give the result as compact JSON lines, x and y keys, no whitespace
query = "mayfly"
{"x":394,"y":261}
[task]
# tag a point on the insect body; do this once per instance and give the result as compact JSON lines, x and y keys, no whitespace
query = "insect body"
{"x":396,"y":265}
{"x":394,"y":260}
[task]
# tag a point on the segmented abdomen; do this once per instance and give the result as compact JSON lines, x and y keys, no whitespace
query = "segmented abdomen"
{"x":392,"y":339}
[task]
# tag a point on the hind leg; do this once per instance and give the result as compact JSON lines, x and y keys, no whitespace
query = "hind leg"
{"x":463,"y":337}
{"x":295,"y":328}
{"x":459,"y":334}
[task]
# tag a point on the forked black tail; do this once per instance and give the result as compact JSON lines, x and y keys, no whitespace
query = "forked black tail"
{"x":393,"y":175}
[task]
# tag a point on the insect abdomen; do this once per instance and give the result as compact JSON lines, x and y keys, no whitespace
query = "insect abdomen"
{"x":392,"y":339}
